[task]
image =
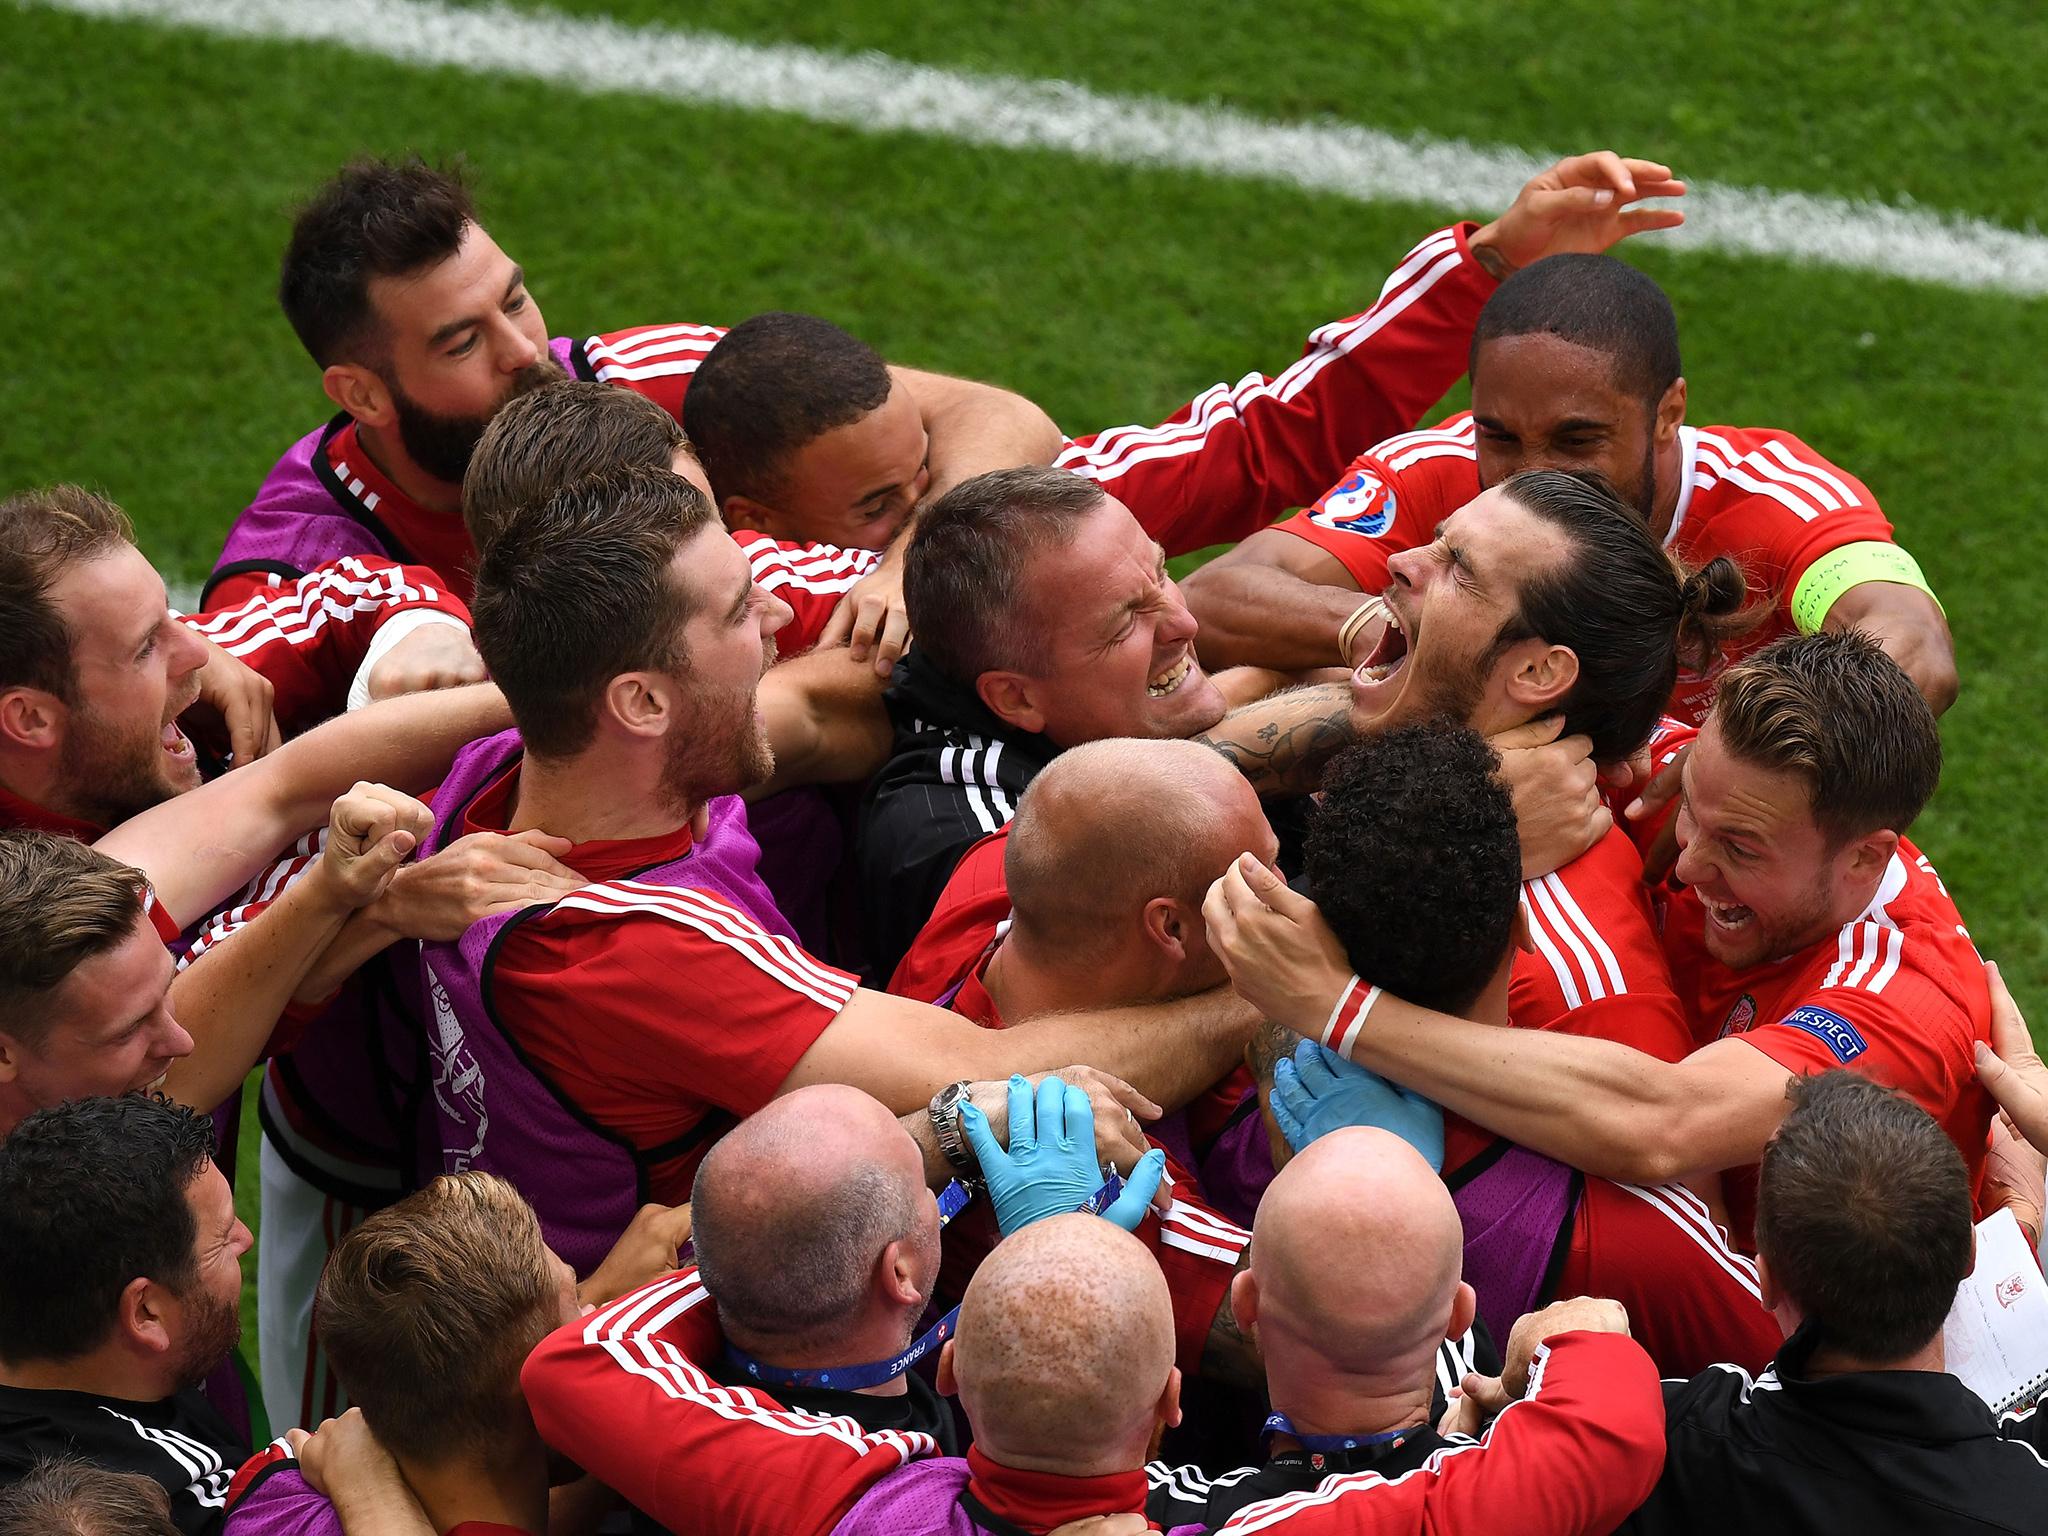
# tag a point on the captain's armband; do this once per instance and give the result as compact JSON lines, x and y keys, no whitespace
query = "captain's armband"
{"x":1851,"y":566}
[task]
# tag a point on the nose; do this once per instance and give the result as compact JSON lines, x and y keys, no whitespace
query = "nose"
{"x":1177,"y":625}
{"x":185,"y":654}
{"x":1691,"y":867}
{"x":1407,"y":568}
{"x":175,"y":1042}
{"x":774,"y":613}
{"x":521,"y":351}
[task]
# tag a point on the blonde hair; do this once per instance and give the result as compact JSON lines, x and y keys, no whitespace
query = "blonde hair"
{"x":430,"y":1307}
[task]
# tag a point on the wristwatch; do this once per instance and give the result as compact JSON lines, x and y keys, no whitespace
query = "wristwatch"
{"x":945,"y":1116}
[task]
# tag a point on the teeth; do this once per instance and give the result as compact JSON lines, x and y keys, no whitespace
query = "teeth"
{"x":1168,"y":681}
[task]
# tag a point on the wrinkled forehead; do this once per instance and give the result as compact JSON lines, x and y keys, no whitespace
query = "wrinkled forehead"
{"x":1539,"y":378}
{"x":1108,"y":565}
{"x":413,"y":305}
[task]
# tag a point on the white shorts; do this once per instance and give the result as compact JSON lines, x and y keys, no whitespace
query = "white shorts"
{"x":300,"y":1227}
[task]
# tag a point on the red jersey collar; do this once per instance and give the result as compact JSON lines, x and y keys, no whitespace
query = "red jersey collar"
{"x":618,"y":859}
{"x":1039,"y":1501}
{"x":420,"y":535}
{"x":972,"y":999}
{"x":26,"y":814}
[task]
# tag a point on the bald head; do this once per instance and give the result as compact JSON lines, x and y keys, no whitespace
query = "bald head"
{"x":1111,"y":826}
{"x":792,"y":1209}
{"x":1356,"y":1254}
{"x":1065,"y":1348}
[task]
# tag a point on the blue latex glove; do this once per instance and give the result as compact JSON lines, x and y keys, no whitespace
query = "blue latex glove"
{"x":1050,"y":1167}
{"x":1318,"y":1091}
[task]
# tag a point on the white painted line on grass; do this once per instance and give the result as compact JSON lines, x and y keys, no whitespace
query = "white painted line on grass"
{"x":877,"y":93}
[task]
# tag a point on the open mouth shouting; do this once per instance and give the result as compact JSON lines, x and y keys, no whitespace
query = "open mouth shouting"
{"x":1727,"y":916}
{"x":176,"y":744}
{"x":1377,"y":680}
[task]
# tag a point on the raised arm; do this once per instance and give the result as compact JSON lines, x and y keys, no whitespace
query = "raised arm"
{"x":1274,"y":601}
{"x":230,"y":997}
{"x":198,"y":848}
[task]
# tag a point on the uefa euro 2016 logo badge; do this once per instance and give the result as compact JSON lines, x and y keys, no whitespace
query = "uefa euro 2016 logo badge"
{"x":1362,"y":503}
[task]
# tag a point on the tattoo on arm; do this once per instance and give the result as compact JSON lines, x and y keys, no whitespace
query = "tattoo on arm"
{"x":1282,"y":743}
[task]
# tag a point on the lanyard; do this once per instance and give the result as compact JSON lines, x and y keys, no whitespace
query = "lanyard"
{"x":1329,"y":1445}
{"x":855,"y":1378}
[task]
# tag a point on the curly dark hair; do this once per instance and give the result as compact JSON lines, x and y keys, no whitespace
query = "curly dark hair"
{"x":92,"y":1195}
{"x":1415,"y":861}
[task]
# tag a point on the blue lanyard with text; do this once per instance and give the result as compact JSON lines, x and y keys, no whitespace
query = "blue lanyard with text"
{"x":1330,"y":1445}
{"x":855,"y":1378}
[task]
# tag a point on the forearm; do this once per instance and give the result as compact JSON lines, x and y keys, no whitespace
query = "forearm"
{"x":1170,"y":1052}
{"x":938,"y":1172}
{"x":379,"y":1507}
{"x":199,"y":848}
{"x":360,"y":940}
{"x":1282,"y":743}
{"x":230,"y":998}
{"x":1261,"y":615}
{"x":823,"y":716}
{"x":1600,"y":1107}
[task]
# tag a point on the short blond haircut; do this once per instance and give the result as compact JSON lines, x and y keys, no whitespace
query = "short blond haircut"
{"x":430,"y":1307}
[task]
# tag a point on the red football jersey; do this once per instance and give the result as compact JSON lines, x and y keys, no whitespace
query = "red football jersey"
{"x":1897,"y":993}
{"x":651,"y":1007}
{"x":1241,"y":454}
{"x":309,"y":637}
{"x":1760,"y":496}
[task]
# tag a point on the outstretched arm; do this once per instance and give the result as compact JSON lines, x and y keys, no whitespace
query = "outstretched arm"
{"x":1273,"y":601}
{"x":1604,"y":1108}
{"x":904,"y":1052}
{"x":199,"y":848}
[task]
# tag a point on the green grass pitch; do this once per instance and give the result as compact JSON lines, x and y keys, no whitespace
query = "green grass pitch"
{"x":148,"y":174}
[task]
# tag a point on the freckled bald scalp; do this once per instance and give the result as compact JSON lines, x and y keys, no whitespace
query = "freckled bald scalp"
{"x":1357,"y":1249}
{"x":1110,"y":825}
{"x":1065,"y":1342}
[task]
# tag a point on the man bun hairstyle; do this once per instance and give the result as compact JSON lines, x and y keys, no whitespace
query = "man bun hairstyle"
{"x":771,"y":386}
{"x":1415,"y":860}
{"x":1597,"y":302}
{"x":1626,"y":607}
{"x":43,"y":534}
{"x":965,"y":574}
{"x":1864,"y":1217}
{"x":551,"y":437}
{"x":1839,"y":713}
{"x":376,"y":218}
{"x":576,"y":590}
{"x":92,"y":1196}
